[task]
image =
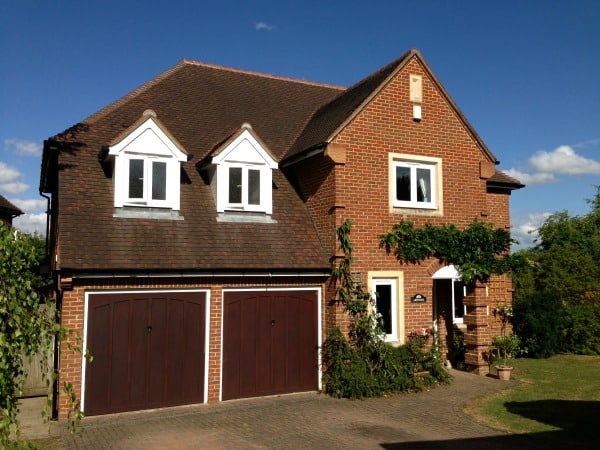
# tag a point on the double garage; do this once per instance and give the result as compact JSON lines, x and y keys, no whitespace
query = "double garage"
{"x":150,"y":348}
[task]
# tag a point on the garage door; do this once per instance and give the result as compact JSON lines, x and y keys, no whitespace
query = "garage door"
{"x":270,"y":343}
{"x":148,"y":351}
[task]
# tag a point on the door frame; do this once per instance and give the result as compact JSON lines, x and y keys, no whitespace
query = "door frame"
{"x":318,"y":289}
{"x":144,"y":291}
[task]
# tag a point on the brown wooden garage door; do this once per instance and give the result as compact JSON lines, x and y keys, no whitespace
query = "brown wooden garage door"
{"x":270,"y":343}
{"x":148,"y":351}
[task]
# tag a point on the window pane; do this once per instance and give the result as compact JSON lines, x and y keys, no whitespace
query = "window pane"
{"x":424,"y":185}
{"x":254,"y":187}
{"x":136,"y":178}
{"x":159,"y":181}
{"x":459,"y":309}
{"x":403,"y":183}
{"x":383,"y":305}
{"x":235,"y":185}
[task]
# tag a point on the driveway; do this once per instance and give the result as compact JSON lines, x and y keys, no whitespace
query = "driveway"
{"x":431,"y":419}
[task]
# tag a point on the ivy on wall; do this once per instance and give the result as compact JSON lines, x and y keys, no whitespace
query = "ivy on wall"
{"x":478,"y":251}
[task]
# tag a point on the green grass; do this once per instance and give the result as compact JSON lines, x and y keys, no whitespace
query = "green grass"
{"x":559,"y":397}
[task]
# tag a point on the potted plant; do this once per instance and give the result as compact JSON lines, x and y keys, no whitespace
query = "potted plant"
{"x":506,"y":345}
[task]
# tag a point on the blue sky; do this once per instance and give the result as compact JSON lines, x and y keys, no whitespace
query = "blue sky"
{"x":525,"y":73}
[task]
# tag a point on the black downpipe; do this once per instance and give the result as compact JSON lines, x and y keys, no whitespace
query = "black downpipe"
{"x":56,"y":359}
{"x":47,"y":197}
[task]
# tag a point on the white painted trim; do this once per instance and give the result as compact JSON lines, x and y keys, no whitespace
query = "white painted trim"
{"x":87,"y":294}
{"x":245,"y":152}
{"x":276,"y":289}
{"x":151,"y":144}
{"x":398,"y":278}
{"x":437,"y":205}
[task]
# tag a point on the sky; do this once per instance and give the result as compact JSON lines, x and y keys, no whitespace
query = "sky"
{"x":525,"y":73}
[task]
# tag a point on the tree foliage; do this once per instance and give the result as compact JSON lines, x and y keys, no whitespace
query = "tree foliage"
{"x":557,"y":300}
{"x":479,"y":251}
{"x":25,"y":327}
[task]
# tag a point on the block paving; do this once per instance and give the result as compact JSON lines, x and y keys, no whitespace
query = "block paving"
{"x":432,"y":419}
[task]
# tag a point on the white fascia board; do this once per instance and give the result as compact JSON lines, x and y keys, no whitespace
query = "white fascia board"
{"x":148,"y":139}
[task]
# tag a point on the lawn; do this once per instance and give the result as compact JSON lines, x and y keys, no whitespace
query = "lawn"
{"x":559,"y":398}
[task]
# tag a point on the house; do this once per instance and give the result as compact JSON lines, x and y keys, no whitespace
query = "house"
{"x":8,"y":211}
{"x":193,"y":228}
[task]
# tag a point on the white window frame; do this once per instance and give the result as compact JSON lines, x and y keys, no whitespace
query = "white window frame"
{"x":393,"y":335}
{"x":244,"y":151}
{"x":457,"y":285}
{"x":416,"y":183}
{"x":147,"y":142}
{"x":146,"y":199}
{"x":415,"y":163}
{"x":245,"y":204}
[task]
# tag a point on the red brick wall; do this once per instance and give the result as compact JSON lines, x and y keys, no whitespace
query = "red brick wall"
{"x":358,"y":189}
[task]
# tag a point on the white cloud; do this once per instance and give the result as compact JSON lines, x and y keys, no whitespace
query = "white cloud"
{"x":525,"y":228}
{"x":531,"y":178}
{"x":22,"y":147}
{"x":8,"y":174}
{"x":30,"y":205}
{"x":14,"y":188}
{"x":31,"y":223}
{"x":264,"y":26}
{"x":564,"y":160}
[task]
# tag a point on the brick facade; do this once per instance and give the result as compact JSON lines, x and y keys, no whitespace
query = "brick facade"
{"x":358,"y":189}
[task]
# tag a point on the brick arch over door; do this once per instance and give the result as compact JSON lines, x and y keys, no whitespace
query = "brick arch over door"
{"x":270,"y":342}
{"x":148,"y":350}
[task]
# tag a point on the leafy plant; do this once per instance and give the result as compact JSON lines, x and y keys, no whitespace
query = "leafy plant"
{"x":557,"y":297}
{"x":478,"y":251}
{"x":507,"y":346}
{"x":363,"y":365}
{"x":27,"y":322}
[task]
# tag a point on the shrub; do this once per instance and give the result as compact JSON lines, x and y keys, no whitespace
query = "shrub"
{"x":459,"y":349}
{"x":350,"y":373}
{"x":539,"y":321}
{"x":581,"y":333}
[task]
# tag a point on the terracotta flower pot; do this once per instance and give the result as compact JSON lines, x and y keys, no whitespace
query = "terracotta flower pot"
{"x":504,"y":372}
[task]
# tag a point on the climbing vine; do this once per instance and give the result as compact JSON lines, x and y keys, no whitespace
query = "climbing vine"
{"x":27,"y":325}
{"x":479,"y":251}
{"x":364,"y":365}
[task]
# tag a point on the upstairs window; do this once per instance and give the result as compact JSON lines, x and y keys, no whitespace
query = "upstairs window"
{"x":147,"y":167}
{"x":244,"y":175}
{"x":244,"y":187}
{"x":415,"y":183}
{"x":147,"y":184}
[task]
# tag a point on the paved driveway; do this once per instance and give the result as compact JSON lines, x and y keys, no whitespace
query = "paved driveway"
{"x":427,"y":420}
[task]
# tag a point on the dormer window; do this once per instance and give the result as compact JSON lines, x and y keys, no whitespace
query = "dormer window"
{"x":147,"y":166}
{"x":244,"y":177}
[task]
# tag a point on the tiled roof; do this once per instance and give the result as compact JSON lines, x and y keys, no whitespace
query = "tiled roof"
{"x":501,"y":179}
{"x":200,"y":106}
{"x":331,"y":115}
{"x":8,"y":206}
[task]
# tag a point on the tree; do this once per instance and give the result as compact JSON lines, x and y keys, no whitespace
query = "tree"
{"x":557,"y":296}
{"x":25,"y":329}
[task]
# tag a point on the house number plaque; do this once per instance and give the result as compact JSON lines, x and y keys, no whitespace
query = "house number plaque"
{"x":418,"y":298}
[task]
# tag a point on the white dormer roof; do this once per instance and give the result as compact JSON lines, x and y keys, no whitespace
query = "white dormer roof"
{"x":245,"y":148}
{"x":147,"y":137}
